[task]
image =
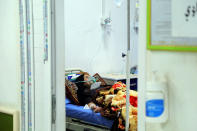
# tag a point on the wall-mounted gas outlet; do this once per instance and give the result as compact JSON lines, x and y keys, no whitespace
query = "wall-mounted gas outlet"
{"x":118,"y":3}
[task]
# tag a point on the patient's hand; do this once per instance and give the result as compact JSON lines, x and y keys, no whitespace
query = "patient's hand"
{"x":97,"y":109}
{"x":94,"y":107}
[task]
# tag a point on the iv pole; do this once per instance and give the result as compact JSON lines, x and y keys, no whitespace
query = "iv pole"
{"x":128,"y":67}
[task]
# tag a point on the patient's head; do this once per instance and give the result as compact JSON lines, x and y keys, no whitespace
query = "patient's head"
{"x":86,"y":76}
{"x":83,"y":80}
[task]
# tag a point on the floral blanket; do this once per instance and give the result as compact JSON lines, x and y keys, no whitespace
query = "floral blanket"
{"x":113,"y":101}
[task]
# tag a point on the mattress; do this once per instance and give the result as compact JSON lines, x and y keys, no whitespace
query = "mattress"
{"x":87,"y":115}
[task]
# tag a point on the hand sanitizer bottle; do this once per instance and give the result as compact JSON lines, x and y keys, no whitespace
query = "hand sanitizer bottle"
{"x":156,"y":101}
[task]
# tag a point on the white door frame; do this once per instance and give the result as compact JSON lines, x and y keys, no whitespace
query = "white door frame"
{"x":142,"y":66}
{"x":58,"y":42}
{"x":58,"y":62}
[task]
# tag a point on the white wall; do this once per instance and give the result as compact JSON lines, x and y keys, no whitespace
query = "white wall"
{"x":87,"y":46}
{"x":9,"y":54}
{"x":181,"y":73}
{"x":180,"y":69}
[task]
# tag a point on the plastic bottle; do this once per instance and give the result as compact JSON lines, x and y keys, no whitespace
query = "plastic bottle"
{"x":156,"y":101}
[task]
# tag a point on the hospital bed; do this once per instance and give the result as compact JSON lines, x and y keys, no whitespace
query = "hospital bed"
{"x":80,"y":119}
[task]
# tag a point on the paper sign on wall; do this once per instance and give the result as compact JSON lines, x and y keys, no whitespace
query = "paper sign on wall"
{"x":184,"y":18}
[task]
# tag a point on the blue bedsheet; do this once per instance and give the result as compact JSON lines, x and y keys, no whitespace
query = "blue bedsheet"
{"x":87,"y":115}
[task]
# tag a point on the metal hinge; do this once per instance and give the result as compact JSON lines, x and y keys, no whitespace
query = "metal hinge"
{"x":53,"y":109}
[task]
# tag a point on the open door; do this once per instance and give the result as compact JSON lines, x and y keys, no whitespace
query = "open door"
{"x":42,"y":65}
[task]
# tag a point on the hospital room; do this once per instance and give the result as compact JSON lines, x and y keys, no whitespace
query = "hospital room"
{"x":96,"y":43}
{"x":98,"y":65}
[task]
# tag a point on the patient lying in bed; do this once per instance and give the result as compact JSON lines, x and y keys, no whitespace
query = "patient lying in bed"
{"x":111,"y":101}
{"x":84,"y":94}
